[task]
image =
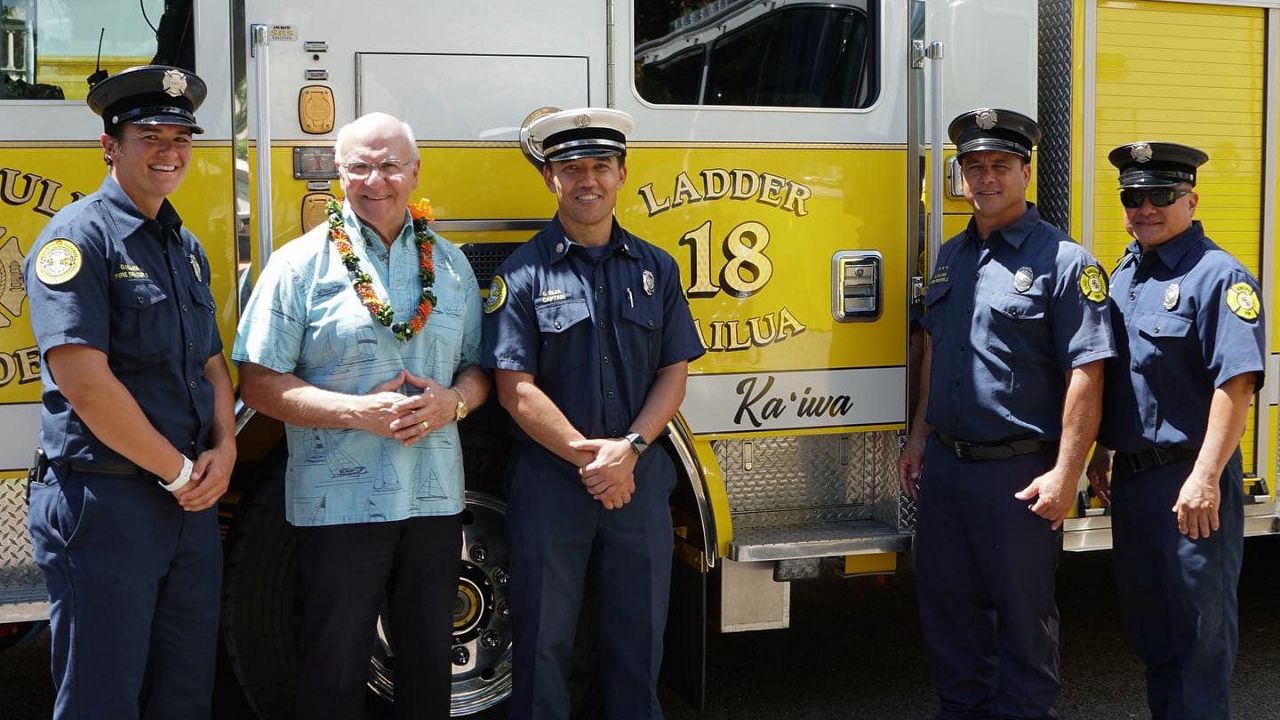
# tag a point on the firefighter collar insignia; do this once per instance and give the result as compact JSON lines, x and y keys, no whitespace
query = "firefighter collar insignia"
{"x":1171,"y":294}
{"x":497,"y":295}
{"x":195,"y":267}
{"x":174,"y":83}
{"x":1141,"y":152}
{"x":987,"y":119}
{"x":59,"y":261}
{"x":647,"y":279}
{"x":1022,"y":279}
{"x":1243,"y":301}
{"x":1093,"y":284}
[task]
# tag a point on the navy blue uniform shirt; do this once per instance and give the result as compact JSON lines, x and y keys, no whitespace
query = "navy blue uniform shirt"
{"x":1006,"y":320}
{"x":593,"y":336}
{"x":1192,"y":320}
{"x":104,"y":275}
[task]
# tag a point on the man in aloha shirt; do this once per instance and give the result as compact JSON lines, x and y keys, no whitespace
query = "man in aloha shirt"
{"x":363,"y":337}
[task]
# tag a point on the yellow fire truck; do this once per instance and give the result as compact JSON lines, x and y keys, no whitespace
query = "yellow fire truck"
{"x":788,"y":153}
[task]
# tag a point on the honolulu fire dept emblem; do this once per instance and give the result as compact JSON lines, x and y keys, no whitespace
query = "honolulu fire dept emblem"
{"x":1141,"y":152}
{"x":1243,"y":301}
{"x":1171,"y":295}
{"x":1022,"y":279}
{"x":174,"y":83}
{"x":583,"y":120}
{"x":647,"y":278}
{"x":987,"y":118}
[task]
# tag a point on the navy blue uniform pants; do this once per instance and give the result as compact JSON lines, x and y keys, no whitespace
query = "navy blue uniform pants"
{"x":134,"y":582}
{"x":349,"y":573}
{"x":985,"y":568}
{"x":553,"y":524}
{"x":1178,"y":595}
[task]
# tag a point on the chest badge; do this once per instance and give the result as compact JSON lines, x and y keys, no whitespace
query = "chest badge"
{"x":646,"y":278}
{"x":195,"y":268}
{"x":1171,"y":294}
{"x":1093,"y":284}
{"x":1243,"y":301}
{"x":1022,"y":279}
{"x":59,"y":261}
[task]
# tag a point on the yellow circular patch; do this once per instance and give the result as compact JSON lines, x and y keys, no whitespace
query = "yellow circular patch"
{"x":497,"y":295}
{"x":1093,"y":284}
{"x":1243,"y":301}
{"x":58,"y":261}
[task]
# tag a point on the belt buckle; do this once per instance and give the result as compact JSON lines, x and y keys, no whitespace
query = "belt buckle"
{"x":961,"y":449}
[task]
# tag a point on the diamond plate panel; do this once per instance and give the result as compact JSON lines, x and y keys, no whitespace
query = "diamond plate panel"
{"x":19,"y":575}
{"x":812,"y":478}
{"x":1053,"y":196}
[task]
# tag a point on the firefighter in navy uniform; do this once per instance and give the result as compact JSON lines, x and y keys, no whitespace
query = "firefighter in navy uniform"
{"x":1192,"y":353}
{"x":137,"y":422}
{"x":590,"y":337}
{"x":1018,"y":329}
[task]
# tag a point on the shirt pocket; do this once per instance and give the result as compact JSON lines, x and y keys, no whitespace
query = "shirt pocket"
{"x":204,"y":320}
{"x":1018,"y":322}
{"x":143,"y":330}
{"x":640,"y":335}
{"x":934,"y":303}
{"x":1161,"y":336}
{"x":565,"y":329}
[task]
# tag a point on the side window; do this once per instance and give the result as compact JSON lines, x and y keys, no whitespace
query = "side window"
{"x":52,"y":49}
{"x":784,"y":54}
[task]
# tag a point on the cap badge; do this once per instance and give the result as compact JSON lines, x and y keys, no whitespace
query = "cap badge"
{"x":174,"y":83}
{"x":987,"y":119}
{"x":1093,"y":284}
{"x":647,"y":279}
{"x":1243,"y":301}
{"x":195,"y":268}
{"x":583,"y":120}
{"x":1022,"y":279}
{"x":1141,"y":152}
{"x":1171,"y":294}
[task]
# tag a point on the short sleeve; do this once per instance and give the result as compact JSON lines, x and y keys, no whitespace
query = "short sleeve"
{"x":472,"y":319}
{"x":511,"y":333}
{"x":680,"y":340}
{"x":1081,"y":315}
{"x":1232,"y":328}
{"x":67,"y":284}
{"x":275,"y":320}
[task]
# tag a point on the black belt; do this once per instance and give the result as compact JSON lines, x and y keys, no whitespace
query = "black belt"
{"x":109,"y":468}
{"x":997,"y":449}
{"x":1155,"y":457}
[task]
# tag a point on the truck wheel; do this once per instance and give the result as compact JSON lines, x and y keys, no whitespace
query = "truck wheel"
{"x":262,"y":607}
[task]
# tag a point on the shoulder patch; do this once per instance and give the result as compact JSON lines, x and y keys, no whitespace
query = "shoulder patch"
{"x":1093,"y":284}
{"x":59,"y":261}
{"x":1243,"y":301}
{"x":497,"y":295}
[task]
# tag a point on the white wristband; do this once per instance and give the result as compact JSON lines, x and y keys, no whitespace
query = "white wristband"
{"x":184,"y":476}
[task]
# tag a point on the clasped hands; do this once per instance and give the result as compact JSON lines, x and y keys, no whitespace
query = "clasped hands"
{"x":608,"y":472}
{"x":388,"y":412}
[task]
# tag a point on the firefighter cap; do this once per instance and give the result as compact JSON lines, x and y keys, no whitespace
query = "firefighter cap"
{"x":1157,"y":164}
{"x":581,"y":133}
{"x":148,"y":95}
{"x":994,"y":129}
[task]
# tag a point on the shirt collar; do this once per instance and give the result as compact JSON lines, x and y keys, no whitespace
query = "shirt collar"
{"x":1171,"y":252}
{"x":1014,"y":233}
{"x":556,"y":244}
{"x":126,"y":215}
{"x":359,"y":232}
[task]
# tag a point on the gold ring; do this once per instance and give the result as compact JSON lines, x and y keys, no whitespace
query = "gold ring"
{"x":425,"y":426}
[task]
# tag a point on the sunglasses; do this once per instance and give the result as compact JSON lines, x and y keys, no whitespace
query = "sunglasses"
{"x":1159,"y":197}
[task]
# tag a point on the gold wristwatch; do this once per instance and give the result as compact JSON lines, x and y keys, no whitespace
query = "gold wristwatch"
{"x":460,"y":411}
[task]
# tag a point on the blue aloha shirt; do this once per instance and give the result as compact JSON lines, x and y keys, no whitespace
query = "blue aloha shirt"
{"x":304,"y":318}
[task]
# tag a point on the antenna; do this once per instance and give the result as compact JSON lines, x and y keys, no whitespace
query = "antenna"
{"x":99,"y":74}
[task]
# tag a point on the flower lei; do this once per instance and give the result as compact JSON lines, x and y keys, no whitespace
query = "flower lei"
{"x":420,"y":212}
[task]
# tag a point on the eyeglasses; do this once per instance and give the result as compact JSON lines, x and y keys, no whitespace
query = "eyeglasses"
{"x":360,"y":170}
{"x":1160,"y":197}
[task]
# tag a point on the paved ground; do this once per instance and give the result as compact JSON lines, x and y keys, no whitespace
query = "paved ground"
{"x":854,"y":651}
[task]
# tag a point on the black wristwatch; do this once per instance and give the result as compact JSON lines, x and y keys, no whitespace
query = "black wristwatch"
{"x":638,"y":445}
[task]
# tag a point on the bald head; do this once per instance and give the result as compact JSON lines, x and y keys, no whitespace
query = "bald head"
{"x":375,"y":129}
